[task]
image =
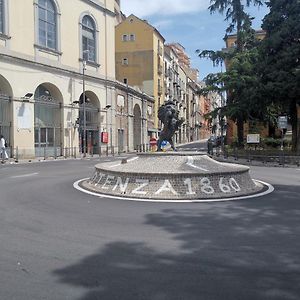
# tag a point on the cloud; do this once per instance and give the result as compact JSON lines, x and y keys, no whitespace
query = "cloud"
{"x":163,"y":24}
{"x":144,"y":8}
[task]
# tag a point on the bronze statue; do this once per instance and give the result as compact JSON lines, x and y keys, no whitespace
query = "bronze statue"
{"x":168,"y":114}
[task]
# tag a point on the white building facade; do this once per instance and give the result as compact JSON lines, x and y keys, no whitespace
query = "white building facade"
{"x":57,"y":64}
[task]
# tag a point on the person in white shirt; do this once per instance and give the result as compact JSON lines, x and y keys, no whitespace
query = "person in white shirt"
{"x":3,"y":152}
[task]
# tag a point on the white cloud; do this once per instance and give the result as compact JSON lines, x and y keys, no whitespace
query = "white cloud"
{"x":144,"y":8}
{"x":163,"y":24}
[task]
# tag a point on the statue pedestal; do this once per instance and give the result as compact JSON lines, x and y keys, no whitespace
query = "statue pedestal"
{"x":171,"y":176}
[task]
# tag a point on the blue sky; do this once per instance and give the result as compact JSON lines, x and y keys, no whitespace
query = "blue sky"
{"x":189,"y":23}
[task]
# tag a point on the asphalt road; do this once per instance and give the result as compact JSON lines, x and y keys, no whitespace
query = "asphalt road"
{"x":59,"y":243}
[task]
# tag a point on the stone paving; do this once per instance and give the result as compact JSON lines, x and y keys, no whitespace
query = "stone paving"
{"x":171,"y":175}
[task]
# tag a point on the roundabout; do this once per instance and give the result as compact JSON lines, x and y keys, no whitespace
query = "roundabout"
{"x":172,"y":177}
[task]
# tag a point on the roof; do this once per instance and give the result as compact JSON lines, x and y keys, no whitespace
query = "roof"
{"x":148,"y":24}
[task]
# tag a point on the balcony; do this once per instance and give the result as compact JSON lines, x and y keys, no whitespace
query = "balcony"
{"x":159,"y":50}
{"x":159,"y":69}
{"x":159,"y":89}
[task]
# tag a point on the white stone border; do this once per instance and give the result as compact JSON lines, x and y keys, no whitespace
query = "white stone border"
{"x":268,"y":191}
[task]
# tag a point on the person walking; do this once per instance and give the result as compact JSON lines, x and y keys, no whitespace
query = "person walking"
{"x":2,"y":149}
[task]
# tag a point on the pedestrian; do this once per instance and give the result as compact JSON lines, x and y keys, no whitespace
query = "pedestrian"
{"x":2,"y":149}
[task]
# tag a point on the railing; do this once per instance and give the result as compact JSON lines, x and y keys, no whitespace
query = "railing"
{"x":44,"y":153}
{"x":143,"y":148}
{"x":159,"y":69}
{"x":281,"y":158}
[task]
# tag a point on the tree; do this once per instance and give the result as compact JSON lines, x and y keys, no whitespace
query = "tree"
{"x":235,"y":14}
{"x":280,"y":61}
{"x":240,"y":21}
{"x":239,"y":80}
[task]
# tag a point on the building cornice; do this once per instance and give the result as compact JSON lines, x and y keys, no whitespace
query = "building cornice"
{"x":109,"y":82}
{"x":130,"y":90}
{"x":100,"y":6}
{"x":66,"y":71}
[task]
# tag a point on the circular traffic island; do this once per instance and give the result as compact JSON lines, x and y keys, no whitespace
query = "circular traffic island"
{"x":175,"y":176}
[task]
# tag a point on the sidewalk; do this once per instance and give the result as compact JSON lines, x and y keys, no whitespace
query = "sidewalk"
{"x":264,"y":161}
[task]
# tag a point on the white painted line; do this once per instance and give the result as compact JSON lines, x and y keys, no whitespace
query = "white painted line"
{"x":24,"y":175}
{"x":268,"y":191}
{"x":132,"y":159}
{"x":113,"y":166}
{"x":128,"y":160}
{"x":190,"y":163}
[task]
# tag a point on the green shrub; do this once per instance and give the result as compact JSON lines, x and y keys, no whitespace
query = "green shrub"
{"x":273,"y":143}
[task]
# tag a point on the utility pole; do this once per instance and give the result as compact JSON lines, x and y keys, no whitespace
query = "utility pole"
{"x":84,"y":100}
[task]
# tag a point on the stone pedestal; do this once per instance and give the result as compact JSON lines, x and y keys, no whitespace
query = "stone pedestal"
{"x":171,"y":175}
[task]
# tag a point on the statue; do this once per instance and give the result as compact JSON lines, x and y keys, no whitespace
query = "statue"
{"x":168,"y":115}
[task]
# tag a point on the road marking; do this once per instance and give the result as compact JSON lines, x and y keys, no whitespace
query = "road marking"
{"x":25,"y":175}
{"x":269,"y":190}
{"x":128,"y":160}
{"x":190,"y":163}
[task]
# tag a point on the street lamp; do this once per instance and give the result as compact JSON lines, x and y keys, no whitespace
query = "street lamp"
{"x":83,"y":100}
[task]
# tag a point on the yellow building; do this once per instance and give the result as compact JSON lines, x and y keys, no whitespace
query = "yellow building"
{"x":139,"y":58}
{"x":53,"y":55}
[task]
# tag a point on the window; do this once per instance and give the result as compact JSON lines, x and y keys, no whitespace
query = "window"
{"x":47,"y":24}
{"x":2,"y":16}
{"x":132,"y":37}
{"x":125,"y":61}
{"x":88,"y":39}
{"x":124,"y":37}
{"x":125,"y":81}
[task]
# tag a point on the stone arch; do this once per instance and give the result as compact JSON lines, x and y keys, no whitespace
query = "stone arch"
{"x":6,"y":114}
{"x":137,"y":126}
{"x":5,"y":87}
{"x":48,"y":119}
{"x":90,"y":139}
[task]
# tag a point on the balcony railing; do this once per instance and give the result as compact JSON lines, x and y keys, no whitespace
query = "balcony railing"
{"x":159,"y":50}
{"x":159,"y":89}
{"x":159,"y":69}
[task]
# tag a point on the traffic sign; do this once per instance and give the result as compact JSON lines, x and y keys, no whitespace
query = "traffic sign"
{"x":282,"y":122}
{"x":253,"y":138}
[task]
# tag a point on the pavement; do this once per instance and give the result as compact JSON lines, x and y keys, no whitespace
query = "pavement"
{"x":199,"y":145}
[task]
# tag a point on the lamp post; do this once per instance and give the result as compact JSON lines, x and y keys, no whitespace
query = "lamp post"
{"x":83,"y":100}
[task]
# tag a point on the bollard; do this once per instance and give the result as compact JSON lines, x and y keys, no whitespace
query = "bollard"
{"x":17,"y":155}
{"x":113,"y":150}
{"x":45,"y":153}
{"x":99,"y":151}
{"x":74,"y":152}
{"x":235,"y":154}
{"x":106,"y":150}
{"x":55,"y":154}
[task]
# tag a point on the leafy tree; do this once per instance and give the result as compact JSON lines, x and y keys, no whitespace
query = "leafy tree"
{"x":240,"y":80}
{"x":239,"y":73}
{"x":235,"y":14}
{"x":280,"y":61}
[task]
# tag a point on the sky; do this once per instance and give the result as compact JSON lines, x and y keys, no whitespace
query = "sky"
{"x":190,"y":23}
